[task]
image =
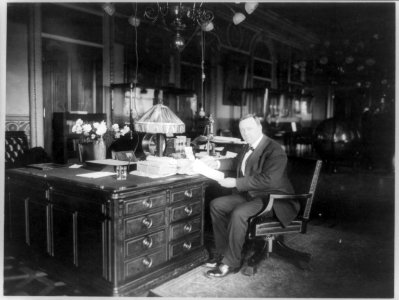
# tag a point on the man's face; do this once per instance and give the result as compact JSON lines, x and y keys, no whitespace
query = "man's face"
{"x":250,"y":130}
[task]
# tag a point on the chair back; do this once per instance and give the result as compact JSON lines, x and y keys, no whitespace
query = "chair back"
{"x":312,"y":190}
{"x":16,"y":145}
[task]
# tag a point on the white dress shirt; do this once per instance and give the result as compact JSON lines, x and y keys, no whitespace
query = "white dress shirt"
{"x":248,"y":153}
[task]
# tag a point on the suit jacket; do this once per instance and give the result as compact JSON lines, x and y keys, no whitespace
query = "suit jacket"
{"x":265,"y":173}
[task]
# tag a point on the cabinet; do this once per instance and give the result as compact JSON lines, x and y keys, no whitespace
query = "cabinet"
{"x":118,"y":237}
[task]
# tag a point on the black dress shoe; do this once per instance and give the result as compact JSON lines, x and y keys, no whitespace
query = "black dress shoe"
{"x":221,"y":271}
{"x":214,"y":261}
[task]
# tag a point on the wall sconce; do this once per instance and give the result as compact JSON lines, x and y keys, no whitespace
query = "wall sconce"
{"x":109,"y":8}
{"x":250,"y":7}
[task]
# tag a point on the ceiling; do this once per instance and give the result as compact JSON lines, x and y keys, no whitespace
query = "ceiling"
{"x":339,"y":20}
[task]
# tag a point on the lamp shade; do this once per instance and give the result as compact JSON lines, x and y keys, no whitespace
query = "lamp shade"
{"x":238,"y":18}
{"x":160,"y":119}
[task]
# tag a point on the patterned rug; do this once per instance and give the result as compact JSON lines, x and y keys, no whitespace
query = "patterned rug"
{"x":21,"y":280}
{"x":343,"y":264}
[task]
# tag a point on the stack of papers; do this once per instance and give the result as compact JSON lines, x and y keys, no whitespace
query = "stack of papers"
{"x":157,"y":166}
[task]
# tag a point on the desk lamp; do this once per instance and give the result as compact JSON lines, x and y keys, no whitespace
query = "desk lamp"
{"x":157,"y":122}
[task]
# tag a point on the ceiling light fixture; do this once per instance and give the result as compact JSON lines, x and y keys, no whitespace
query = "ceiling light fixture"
{"x":238,"y":18}
{"x":179,"y":17}
{"x":179,"y":41}
{"x":109,"y":8}
{"x":134,"y":21}
{"x":250,"y":7}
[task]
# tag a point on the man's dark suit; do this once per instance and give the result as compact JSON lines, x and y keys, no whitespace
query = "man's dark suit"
{"x":265,"y":173}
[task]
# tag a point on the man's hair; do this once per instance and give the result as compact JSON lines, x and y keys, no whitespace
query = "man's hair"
{"x":257,"y":120}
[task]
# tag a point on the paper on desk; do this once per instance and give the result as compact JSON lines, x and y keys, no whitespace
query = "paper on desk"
{"x":203,"y":169}
{"x":96,"y":174}
{"x":75,"y":166}
{"x":230,"y":154}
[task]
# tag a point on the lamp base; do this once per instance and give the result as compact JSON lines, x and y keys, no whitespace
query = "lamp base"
{"x":154,"y":144}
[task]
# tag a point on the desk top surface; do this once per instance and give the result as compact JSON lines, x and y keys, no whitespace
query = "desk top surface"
{"x":68,"y":176}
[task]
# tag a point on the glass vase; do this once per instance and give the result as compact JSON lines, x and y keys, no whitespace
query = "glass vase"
{"x":95,"y":150}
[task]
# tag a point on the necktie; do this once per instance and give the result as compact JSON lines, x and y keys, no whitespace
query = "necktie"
{"x":244,"y":160}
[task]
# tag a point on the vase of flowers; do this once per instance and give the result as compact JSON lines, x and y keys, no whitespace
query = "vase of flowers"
{"x":95,"y":138}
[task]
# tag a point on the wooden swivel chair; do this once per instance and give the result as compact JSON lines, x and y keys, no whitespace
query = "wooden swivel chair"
{"x":270,"y":230}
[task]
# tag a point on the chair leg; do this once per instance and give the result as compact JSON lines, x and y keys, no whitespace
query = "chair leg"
{"x":269,"y":240}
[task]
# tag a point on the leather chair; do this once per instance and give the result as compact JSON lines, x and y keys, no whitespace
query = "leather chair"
{"x":18,"y":153}
{"x":270,"y":231}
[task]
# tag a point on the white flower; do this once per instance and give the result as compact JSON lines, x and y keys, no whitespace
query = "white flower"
{"x":125,"y":130}
{"x":79,"y":122}
{"x":77,"y":129}
{"x":101,"y":128}
{"x":86,"y":128}
{"x":96,"y":124}
{"x":115,"y":127}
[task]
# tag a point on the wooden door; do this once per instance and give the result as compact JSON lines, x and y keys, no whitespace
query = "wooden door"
{"x":72,"y":81}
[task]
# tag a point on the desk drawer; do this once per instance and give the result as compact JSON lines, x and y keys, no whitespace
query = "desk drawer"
{"x":144,"y":243}
{"x":145,"y":203}
{"x":144,"y":224}
{"x":144,"y":263}
{"x":185,"y":210}
{"x":184,"y":228}
{"x":188,"y":193}
{"x":185,"y":245}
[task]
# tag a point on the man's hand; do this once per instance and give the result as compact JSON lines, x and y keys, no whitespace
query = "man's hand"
{"x":210,"y":162}
{"x":228,"y":182}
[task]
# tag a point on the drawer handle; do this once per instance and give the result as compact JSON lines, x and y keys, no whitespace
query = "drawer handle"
{"x":147,"y":203}
{"x":188,"y":210}
{"x":147,"y":222}
{"x":147,"y":261}
{"x":188,"y":194}
{"x":188,"y":227}
{"x":147,"y":242}
{"x":187,"y":245}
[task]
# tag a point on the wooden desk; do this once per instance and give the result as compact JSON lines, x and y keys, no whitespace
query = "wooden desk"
{"x":118,"y":237}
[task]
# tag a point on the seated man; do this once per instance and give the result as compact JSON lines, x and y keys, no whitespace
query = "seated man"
{"x":261,"y":170}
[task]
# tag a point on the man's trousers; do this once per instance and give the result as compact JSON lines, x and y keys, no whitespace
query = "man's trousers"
{"x":230,"y":223}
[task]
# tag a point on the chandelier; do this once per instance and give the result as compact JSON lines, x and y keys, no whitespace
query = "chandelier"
{"x":179,"y":17}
